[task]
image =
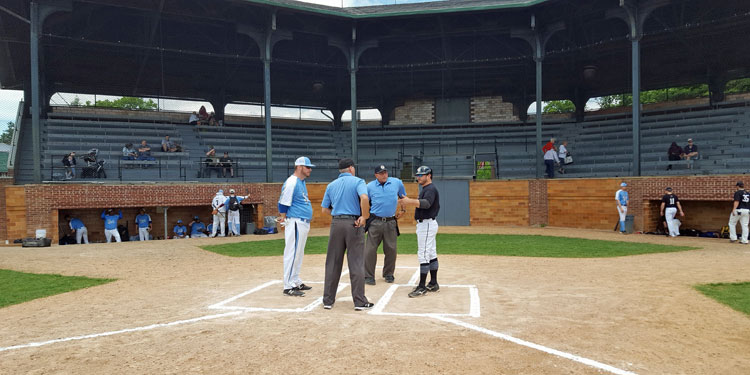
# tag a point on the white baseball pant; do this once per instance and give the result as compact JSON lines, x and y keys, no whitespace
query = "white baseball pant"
{"x":743,"y":216}
{"x":109,"y":233}
{"x":674,"y":229}
{"x":295,"y":238}
{"x":219,"y":222}
{"x":234,"y":222}
{"x":426,"y":246}
{"x":143,"y":234}
{"x":82,"y":233}
{"x":622,"y":211}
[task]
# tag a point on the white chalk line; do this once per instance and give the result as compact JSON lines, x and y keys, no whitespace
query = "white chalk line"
{"x":127,"y":330}
{"x":572,"y":357}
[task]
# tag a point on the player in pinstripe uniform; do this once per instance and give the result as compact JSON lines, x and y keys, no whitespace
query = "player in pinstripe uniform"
{"x":428,"y":206}
{"x":295,"y":214}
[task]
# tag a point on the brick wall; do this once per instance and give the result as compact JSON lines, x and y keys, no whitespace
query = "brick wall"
{"x":491,"y":108}
{"x":575,"y":203}
{"x":3,"y":214}
{"x":499,"y":203}
{"x":415,"y":112}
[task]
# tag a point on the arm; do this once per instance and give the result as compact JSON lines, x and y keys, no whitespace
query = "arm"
{"x":734,"y":206}
{"x":679,"y":207}
{"x":103,"y":214}
{"x":120,"y":214}
{"x":364,"y":206}
{"x":661,"y":209}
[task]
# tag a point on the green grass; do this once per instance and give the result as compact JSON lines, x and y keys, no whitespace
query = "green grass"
{"x":736,"y":296}
{"x":473,"y":244}
{"x":17,"y":287}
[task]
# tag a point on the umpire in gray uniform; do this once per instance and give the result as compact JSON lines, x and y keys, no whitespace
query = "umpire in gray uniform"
{"x":382,"y":225}
{"x":346,"y":199}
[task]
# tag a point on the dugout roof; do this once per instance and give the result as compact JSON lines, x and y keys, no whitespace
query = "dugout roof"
{"x":209,"y":49}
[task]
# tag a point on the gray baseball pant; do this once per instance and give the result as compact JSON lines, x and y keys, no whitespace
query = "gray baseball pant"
{"x":345,"y":238}
{"x":385,"y":232}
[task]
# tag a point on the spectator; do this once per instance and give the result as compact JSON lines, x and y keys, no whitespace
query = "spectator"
{"x":211,"y":163}
{"x":212,"y":120}
{"x":226,"y":164}
{"x":690,"y":152}
{"x":94,"y":168}
{"x":193,"y":118}
{"x":144,"y":153}
{"x":550,"y":159}
{"x":197,"y":229}
{"x":549,"y":145}
{"x":128,"y":152}
{"x":202,"y":116}
{"x":674,"y":153}
{"x":180,"y":230}
{"x":69,"y":161}
{"x":167,"y":145}
{"x":562,"y":153}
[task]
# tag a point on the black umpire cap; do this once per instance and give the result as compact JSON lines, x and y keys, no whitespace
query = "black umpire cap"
{"x":380,"y":168}
{"x":668,"y":188}
{"x":740,"y":184}
{"x":346,"y":163}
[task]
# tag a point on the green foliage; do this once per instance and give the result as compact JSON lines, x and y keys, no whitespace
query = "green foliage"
{"x":559,"y":106}
{"x":127,"y":102}
{"x":656,"y":96}
{"x":472,"y":244}
{"x":484,"y":170}
{"x":17,"y":287}
{"x":736,"y":296}
{"x":7,"y":135}
{"x":738,"y":85}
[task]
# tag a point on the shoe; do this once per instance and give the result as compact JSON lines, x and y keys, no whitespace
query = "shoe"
{"x":432,"y":287}
{"x":390,"y":279}
{"x":293,"y":292}
{"x":418,"y":292}
{"x":732,"y":241}
{"x":303,"y":287}
{"x":327,"y":307}
{"x":366,"y":306}
{"x":370,"y":280}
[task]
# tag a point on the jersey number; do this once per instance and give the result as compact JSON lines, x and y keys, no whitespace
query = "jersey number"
{"x":745,"y":198}
{"x":671,"y":201}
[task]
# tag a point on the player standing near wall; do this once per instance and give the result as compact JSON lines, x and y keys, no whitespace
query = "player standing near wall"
{"x":295,"y":214}
{"x":621,"y":197}
{"x":740,"y":212}
{"x":428,"y":206}
{"x":669,"y":205}
{"x":143,"y":221}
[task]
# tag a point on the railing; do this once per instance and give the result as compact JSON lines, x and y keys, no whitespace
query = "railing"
{"x":16,"y":137}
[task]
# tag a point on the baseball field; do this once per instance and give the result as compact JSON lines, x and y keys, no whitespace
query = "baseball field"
{"x":569,"y":306}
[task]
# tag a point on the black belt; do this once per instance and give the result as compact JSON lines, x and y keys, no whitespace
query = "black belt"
{"x":376,"y":217}
{"x":346,"y":217}
{"x":429,"y":218}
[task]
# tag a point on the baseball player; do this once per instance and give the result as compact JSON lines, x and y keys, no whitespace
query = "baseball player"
{"x":180,"y":230}
{"x":740,"y":212}
{"x":382,"y":226}
{"x":110,"y":224}
{"x":143,"y":221}
{"x":219,"y":206}
{"x":428,"y":206}
{"x":621,"y":197}
{"x":197,"y":229}
{"x":295,"y":213}
{"x":233,"y":207}
{"x":76,"y":226}
{"x":669,"y":206}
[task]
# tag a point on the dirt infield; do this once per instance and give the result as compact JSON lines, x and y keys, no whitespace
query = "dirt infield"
{"x":637,"y":314}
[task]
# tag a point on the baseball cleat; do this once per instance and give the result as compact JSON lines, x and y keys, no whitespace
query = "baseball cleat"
{"x":370,"y":280}
{"x":366,"y":306}
{"x":303,"y":287}
{"x":432,"y":287}
{"x":293,"y":292}
{"x":418,"y":292}
{"x":327,"y":307}
{"x":390,"y":279}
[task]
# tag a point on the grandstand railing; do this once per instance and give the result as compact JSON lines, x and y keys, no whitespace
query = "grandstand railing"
{"x":16,"y":136}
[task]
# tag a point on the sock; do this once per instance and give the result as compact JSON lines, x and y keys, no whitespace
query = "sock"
{"x":423,"y":268}
{"x":433,"y":271}
{"x":622,"y":226}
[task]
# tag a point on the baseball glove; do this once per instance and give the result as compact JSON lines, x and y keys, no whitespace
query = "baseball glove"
{"x":215,"y":211}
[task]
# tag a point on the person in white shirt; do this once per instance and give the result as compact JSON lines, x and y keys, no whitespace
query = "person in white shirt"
{"x":562,"y":153}
{"x":220,"y":217}
{"x":550,"y":159}
{"x":193,"y":119}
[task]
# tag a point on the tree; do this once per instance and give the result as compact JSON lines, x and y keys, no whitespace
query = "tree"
{"x":559,"y":106}
{"x":127,"y":102}
{"x":7,"y":135}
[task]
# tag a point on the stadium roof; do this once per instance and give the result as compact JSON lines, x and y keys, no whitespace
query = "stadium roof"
{"x":407,"y":9}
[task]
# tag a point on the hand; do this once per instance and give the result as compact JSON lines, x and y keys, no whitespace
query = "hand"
{"x":360,"y":222}
{"x":398,"y":214}
{"x":682,"y":213}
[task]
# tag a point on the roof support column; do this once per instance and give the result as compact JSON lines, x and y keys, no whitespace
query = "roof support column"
{"x":36,"y":149}
{"x":537,"y":39}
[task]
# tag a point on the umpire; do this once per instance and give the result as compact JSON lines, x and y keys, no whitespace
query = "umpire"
{"x":345,"y":199}
{"x":382,"y":225}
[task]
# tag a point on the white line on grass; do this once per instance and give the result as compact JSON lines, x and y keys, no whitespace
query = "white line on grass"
{"x":572,"y":357}
{"x":136,"y":329}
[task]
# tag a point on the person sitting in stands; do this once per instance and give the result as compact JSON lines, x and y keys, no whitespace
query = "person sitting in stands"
{"x":128,"y":152}
{"x":212,"y":162}
{"x":168,"y":146}
{"x":202,"y":116}
{"x":144,"y":153}
{"x":180,"y":230}
{"x":212,"y":120}
{"x":226,"y":164}
{"x":197,"y":229}
{"x":690,"y":152}
{"x":674,"y":153}
{"x":193,"y":118}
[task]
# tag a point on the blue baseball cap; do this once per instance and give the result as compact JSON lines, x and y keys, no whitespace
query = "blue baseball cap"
{"x":623,"y":184}
{"x":304,"y":160}
{"x":221,"y":191}
{"x":179,"y":221}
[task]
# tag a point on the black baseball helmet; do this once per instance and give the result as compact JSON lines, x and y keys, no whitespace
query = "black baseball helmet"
{"x":423,"y":170}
